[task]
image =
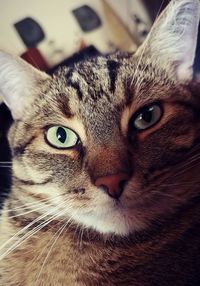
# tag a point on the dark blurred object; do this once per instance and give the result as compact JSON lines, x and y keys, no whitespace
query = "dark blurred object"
{"x":154,"y":7}
{"x":30,"y":32}
{"x":83,"y":54}
{"x":5,"y":156}
{"x":197,"y":57}
{"x":34,"y":57}
{"x":87,"y":18}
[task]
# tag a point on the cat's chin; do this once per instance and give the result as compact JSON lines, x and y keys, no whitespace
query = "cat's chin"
{"x":116,"y":221}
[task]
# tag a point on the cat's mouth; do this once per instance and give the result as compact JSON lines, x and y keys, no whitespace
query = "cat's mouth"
{"x":131,"y":212}
{"x":108,"y":215}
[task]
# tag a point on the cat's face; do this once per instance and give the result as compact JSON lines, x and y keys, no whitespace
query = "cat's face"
{"x":109,"y":143}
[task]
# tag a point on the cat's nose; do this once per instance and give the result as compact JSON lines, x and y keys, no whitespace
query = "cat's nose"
{"x":113,"y":185}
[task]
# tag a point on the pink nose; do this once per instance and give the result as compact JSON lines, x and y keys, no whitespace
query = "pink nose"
{"x":113,"y":184}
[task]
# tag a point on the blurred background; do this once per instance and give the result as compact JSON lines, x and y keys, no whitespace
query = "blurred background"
{"x":51,"y":33}
{"x":47,"y":33}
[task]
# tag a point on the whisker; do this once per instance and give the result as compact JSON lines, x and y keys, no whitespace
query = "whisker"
{"x":2,"y":166}
{"x":42,"y":206}
{"x":58,"y":234}
{"x":183,"y":184}
{"x":81,"y":235}
{"x":29,"y":234}
{"x":192,"y":159}
{"x":26,"y":227}
{"x":183,"y":170}
{"x":28,"y":212}
{"x":31,"y":204}
{"x":41,"y":253}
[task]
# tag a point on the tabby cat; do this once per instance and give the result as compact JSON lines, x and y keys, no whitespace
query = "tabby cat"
{"x":106,"y":165}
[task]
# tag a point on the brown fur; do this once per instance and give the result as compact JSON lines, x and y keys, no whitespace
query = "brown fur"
{"x":157,"y":258}
{"x":72,"y":231}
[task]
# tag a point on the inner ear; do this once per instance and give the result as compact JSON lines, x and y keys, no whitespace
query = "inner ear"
{"x":171,"y":44}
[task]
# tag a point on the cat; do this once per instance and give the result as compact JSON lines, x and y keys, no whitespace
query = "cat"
{"x":106,"y":164}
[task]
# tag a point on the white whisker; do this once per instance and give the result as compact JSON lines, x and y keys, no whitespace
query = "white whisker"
{"x":30,"y":211}
{"x":58,"y":234}
{"x":4,"y":166}
{"x":31,"y":204}
{"x":24,"y":229}
{"x":28,"y":234}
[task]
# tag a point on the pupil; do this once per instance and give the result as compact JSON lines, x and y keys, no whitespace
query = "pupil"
{"x":147,"y":115}
{"x":61,"y":134}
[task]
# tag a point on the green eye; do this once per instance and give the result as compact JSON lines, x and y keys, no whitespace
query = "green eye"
{"x":147,"y":117}
{"x":61,"y":137}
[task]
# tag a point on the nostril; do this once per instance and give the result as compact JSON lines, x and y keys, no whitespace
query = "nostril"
{"x":114,"y":193}
{"x":111,"y":192}
{"x":113,"y":185}
{"x":104,"y":188}
{"x":122,"y":184}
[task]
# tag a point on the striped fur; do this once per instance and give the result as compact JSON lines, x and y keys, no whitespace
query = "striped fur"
{"x":57,"y":227}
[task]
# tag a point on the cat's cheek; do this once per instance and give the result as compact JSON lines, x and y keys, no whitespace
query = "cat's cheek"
{"x":26,"y":171}
{"x":40,"y":162}
{"x":18,"y":170}
{"x":132,"y":191}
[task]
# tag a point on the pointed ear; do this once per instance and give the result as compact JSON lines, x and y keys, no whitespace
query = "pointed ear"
{"x":19,"y":83}
{"x":171,"y":44}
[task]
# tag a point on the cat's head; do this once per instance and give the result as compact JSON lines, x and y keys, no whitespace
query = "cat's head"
{"x":111,"y":143}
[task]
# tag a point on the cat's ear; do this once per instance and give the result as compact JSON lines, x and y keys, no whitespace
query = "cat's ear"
{"x":18,"y":83}
{"x":171,"y":43}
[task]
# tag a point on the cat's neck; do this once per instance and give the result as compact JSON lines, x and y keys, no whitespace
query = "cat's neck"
{"x":77,"y":248}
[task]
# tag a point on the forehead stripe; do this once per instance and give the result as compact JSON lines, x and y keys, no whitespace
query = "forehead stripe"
{"x":73,"y":83}
{"x":113,"y":68}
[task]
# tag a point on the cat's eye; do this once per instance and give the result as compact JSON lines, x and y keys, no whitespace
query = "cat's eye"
{"x":147,"y":117}
{"x":61,"y":137}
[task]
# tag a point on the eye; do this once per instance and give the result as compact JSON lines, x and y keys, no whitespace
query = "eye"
{"x":61,"y":137}
{"x":147,"y":117}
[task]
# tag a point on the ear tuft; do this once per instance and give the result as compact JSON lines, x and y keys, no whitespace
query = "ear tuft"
{"x":173,"y":38}
{"x":18,"y":83}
